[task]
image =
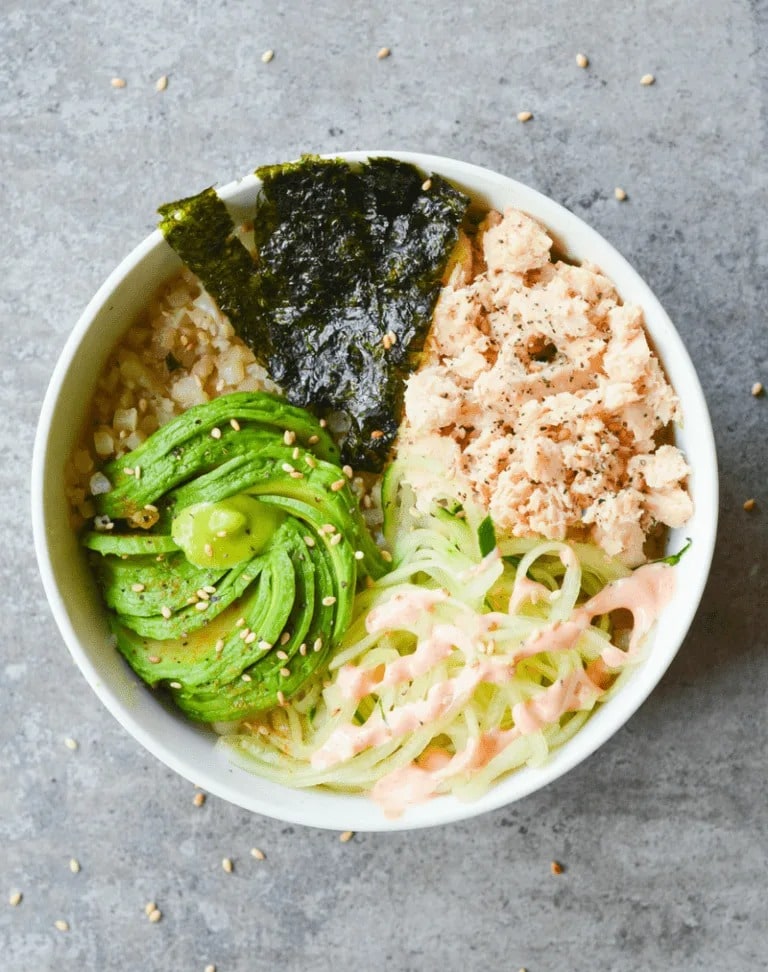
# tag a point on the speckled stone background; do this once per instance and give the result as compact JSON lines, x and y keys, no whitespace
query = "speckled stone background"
{"x":664,"y":832}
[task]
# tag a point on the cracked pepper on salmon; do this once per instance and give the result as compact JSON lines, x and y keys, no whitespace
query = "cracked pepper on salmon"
{"x":540,"y":395}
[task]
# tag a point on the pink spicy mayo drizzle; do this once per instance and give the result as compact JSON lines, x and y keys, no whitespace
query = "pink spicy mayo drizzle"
{"x":644,"y":593}
{"x":349,"y":740}
{"x":419,"y":781}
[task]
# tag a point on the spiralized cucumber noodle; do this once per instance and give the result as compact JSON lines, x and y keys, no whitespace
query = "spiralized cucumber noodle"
{"x":435,"y":682}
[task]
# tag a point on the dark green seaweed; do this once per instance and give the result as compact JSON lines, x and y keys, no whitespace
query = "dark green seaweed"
{"x":344,"y":256}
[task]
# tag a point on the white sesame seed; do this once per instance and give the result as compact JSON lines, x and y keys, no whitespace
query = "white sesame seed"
{"x":117,"y":82}
{"x":219,"y":646}
{"x":264,"y":645}
{"x":215,"y":432}
{"x":303,"y":649}
{"x":287,"y":467}
{"x":227,"y":864}
{"x":203,"y":594}
{"x":128,"y":470}
{"x":323,"y":423}
{"x":757,"y":389}
{"x":318,"y":644}
{"x":258,"y":854}
{"x":282,"y":655}
{"x":524,"y":116}
{"x":250,"y":638}
{"x":235,"y":424}
{"x":155,"y":916}
{"x":201,"y":606}
{"x":71,"y":743}
{"x":311,"y":462}
{"x":620,"y":194}
{"x":347,"y":470}
{"x":240,"y":622}
{"x":149,"y":907}
{"x":210,"y":968}
{"x":296,"y":474}
{"x":154,"y":659}
{"x":310,"y":541}
{"x":174,"y":685}
{"x":162,"y":83}
{"x":198,"y":799}
{"x":15,"y":899}
{"x":285,"y":672}
{"x":359,"y":555}
{"x":346,"y":836}
{"x":338,"y":484}
{"x":335,"y":539}
{"x":426,"y":185}
{"x":166,"y":611}
{"x":74,"y":865}
{"x":137,"y":472}
{"x":582,"y":60}
{"x":313,"y":439}
{"x":137,"y":588}
{"x":647,"y":79}
{"x":61,"y":925}
{"x":281,"y":698}
{"x":328,"y":601}
{"x":267,"y":56}
{"x":285,"y":637}
{"x":327,"y":528}
{"x":387,"y":556}
{"x":382,"y":53}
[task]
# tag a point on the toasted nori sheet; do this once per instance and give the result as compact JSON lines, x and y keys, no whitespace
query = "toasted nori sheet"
{"x":345,"y":254}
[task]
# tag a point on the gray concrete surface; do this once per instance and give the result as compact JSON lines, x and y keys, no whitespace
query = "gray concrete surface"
{"x":662,"y":832}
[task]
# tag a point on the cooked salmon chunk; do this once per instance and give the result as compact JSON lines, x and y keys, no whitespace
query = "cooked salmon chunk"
{"x":539,"y":393}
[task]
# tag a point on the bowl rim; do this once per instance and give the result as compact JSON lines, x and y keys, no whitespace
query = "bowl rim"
{"x":610,"y":718}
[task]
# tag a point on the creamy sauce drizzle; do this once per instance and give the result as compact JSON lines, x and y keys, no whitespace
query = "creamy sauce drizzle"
{"x":644,"y":593}
{"x":419,"y":782}
{"x":524,"y":590}
{"x":403,"y":610}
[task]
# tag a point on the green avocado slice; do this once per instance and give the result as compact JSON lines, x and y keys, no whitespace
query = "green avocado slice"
{"x":141,"y":585}
{"x":179,"y":449}
{"x":242,"y":698}
{"x":323,"y":495}
{"x":126,"y":544}
{"x":229,"y":640}
{"x":217,"y":653}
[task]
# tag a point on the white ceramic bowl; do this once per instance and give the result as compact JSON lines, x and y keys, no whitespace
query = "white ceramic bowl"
{"x":189,"y":749}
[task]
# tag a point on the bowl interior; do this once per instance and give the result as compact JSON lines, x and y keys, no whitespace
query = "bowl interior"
{"x":189,"y":749}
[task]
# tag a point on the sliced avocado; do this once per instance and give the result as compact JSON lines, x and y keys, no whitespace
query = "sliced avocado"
{"x":123,"y":544}
{"x":261,"y":544}
{"x":177,"y":450}
{"x":241,"y":698}
{"x":216,"y":653}
{"x":225,"y":533}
